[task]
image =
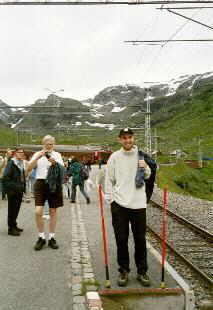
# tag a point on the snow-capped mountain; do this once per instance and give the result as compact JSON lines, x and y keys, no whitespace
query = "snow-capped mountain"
{"x":114,"y":106}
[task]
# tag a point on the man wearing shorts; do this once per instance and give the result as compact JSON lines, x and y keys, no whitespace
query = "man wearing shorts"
{"x":42,"y":161}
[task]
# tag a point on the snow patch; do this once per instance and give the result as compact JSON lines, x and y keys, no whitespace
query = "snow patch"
{"x":118,"y":109}
{"x":108,"y":126}
{"x":86,"y":103}
{"x":98,"y":115}
{"x":97,"y":105}
{"x":134,"y":114}
{"x":110,"y":103}
{"x":193,"y":81}
{"x":206,"y":75}
{"x":125,"y":91}
{"x":19,"y":121}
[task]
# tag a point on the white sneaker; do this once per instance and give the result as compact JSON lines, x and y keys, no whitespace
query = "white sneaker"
{"x":46,"y":217}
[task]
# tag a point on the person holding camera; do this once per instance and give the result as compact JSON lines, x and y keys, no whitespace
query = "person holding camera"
{"x":46,"y":188}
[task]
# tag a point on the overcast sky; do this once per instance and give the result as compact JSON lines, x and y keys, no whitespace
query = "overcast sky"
{"x":80,"y":49}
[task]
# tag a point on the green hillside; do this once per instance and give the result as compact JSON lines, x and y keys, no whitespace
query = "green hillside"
{"x":7,"y":136}
{"x":183,"y":121}
{"x":189,"y":124}
{"x":185,"y":180}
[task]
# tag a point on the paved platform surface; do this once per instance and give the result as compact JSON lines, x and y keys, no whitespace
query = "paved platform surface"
{"x":92,"y":220}
{"x":34,"y":280}
{"x":52,"y":279}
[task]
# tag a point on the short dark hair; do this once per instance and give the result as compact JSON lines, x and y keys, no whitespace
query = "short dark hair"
{"x":125,"y":131}
{"x":18,"y":149}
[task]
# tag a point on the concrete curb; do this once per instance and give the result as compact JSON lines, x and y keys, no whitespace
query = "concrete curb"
{"x":188,"y":292}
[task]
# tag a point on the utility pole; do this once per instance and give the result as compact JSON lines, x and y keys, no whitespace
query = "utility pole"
{"x":148,"y":139}
{"x":17,"y":137}
{"x":200,"y":154}
{"x":156,"y":144}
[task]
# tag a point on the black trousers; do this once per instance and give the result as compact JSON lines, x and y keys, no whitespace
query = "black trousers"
{"x":14,"y":204}
{"x":121,"y":217}
{"x":82,"y":190}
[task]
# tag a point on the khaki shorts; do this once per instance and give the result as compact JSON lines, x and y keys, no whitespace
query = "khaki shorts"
{"x":42,"y":193}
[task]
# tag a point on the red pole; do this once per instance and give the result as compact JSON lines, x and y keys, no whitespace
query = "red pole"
{"x":164,"y":235}
{"x":104,"y":236}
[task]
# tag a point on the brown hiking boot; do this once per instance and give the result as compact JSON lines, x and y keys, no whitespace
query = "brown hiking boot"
{"x":123,"y":278}
{"x":144,"y":279}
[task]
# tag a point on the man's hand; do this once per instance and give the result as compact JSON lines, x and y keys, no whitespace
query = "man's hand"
{"x":142,"y":164}
{"x":52,"y":160}
{"x":107,"y":199}
{"x":40,"y":154}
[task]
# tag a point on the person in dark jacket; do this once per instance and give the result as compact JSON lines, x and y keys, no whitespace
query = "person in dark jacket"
{"x":77,"y":180}
{"x":14,"y":184}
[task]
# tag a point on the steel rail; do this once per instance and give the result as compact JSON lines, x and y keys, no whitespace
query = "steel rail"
{"x":188,"y":262}
{"x":208,"y":235}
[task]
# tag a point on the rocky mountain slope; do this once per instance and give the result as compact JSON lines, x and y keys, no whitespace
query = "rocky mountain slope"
{"x":115,"y":106}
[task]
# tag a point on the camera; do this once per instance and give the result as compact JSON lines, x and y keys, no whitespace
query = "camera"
{"x":47,"y":154}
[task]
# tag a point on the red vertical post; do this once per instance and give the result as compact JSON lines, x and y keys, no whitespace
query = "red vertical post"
{"x":164,"y":235}
{"x":104,"y":236}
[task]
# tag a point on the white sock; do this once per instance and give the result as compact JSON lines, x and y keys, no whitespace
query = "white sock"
{"x":51,"y":235}
{"x":41,"y":235}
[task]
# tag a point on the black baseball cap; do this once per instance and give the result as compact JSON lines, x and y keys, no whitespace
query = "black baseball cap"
{"x":125,"y":131}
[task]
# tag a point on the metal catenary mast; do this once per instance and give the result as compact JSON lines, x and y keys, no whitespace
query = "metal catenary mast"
{"x":148,"y":138}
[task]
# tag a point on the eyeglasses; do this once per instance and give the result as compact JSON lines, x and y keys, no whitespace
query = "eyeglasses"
{"x":20,"y":152}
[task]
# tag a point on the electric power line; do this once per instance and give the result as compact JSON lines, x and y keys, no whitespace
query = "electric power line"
{"x":161,"y":41}
{"x":191,"y":19}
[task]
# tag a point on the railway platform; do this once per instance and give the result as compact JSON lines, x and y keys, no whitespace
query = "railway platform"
{"x":73,"y":276}
{"x":176,"y":295}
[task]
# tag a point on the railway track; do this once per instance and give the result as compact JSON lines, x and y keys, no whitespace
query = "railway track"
{"x":191,"y":243}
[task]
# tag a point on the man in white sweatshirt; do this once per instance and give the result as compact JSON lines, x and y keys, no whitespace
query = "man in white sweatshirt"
{"x":128,"y":205}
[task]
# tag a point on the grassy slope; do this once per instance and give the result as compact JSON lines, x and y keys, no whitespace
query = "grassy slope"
{"x":7,"y":136}
{"x":190,"y":121}
{"x":193,"y":119}
{"x":183,"y":179}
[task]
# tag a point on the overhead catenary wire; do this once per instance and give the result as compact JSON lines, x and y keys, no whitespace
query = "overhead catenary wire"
{"x":162,"y":2}
{"x":161,"y":41}
{"x":171,"y":37}
{"x":185,"y":8}
{"x":177,"y":31}
{"x":191,"y":50}
{"x":191,"y":19}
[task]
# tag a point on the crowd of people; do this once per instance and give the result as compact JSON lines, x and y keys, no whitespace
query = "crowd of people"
{"x":128,"y":178}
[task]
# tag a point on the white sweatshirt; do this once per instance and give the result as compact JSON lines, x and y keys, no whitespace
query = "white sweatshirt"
{"x":120,"y":179}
